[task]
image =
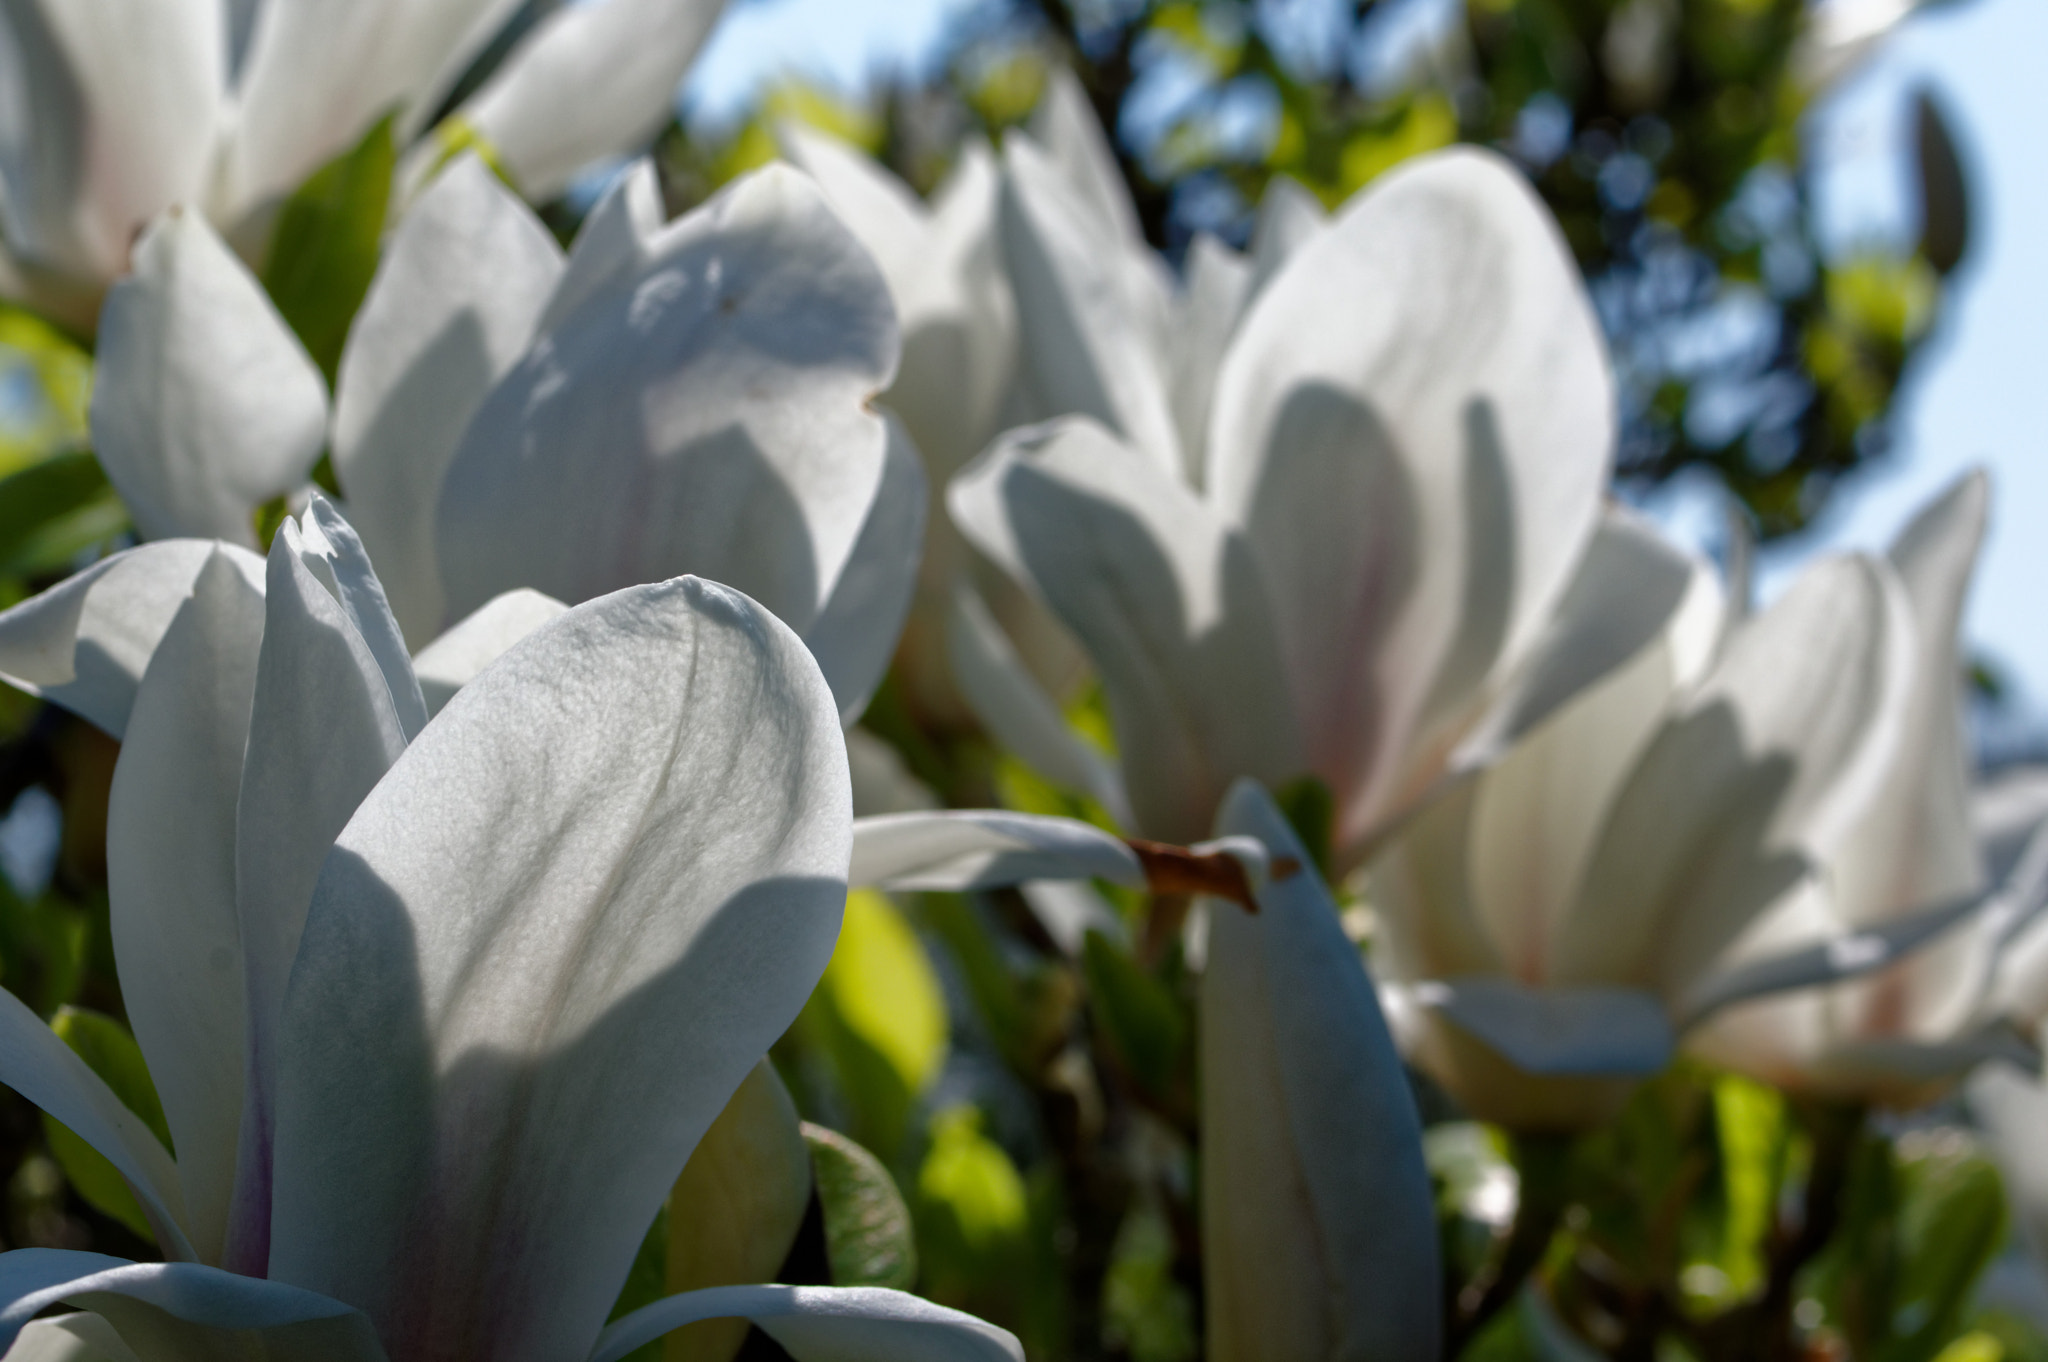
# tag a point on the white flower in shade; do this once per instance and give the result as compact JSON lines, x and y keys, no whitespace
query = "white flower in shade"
{"x":1399,"y":475}
{"x":1738,"y":835}
{"x":112,"y":110}
{"x":668,"y":398}
{"x":437,"y":1011}
{"x":1978,"y":990}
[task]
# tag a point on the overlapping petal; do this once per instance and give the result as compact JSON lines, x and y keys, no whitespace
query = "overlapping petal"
{"x":1417,"y":478}
{"x":171,"y":819}
{"x":121,"y":98}
{"x":205,"y":404}
{"x":84,"y":643}
{"x":456,"y":298}
{"x":181,"y":1310}
{"x":823,"y":1324}
{"x":591,"y":80}
{"x":1319,"y":1227}
{"x":1164,"y":598}
{"x":323,"y":729}
{"x":700,"y":410}
{"x":616,"y":857}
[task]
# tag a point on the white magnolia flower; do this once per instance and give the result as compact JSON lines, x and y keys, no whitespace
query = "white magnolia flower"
{"x":1910,"y":846}
{"x":1400,"y":473}
{"x":113,"y":110}
{"x":963,"y":377}
{"x":679,"y":397}
{"x":337,"y":924}
{"x":1549,"y":924}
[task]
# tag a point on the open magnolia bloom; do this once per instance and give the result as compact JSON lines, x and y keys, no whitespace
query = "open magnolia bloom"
{"x":123,"y":109}
{"x":671,"y":397}
{"x":437,"y":1011}
{"x":1684,"y":835}
{"x":963,"y":377}
{"x":1910,"y":846}
{"x":1394,"y":498}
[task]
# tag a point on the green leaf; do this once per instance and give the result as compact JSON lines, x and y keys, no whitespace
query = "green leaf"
{"x":49,"y":383}
{"x":868,"y":1236}
{"x":1311,"y":810}
{"x":109,"y":1051}
{"x":1750,"y":1123}
{"x":324,"y":251}
{"x":1952,"y":1222}
{"x":880,"y":1018}
{"x":1137,"y":1013}
{"x":978,"y":1196}
{"x":51,"y":510}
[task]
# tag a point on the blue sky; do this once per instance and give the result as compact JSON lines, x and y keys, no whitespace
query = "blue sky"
{"x":1977,"y":396}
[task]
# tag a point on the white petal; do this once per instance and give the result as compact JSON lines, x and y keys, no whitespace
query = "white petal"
{"x":1289,"y":218}
{"x":855,"y":633}
{"x":204,"y":405}
{"x":1165,"y":600}
{"x":455,"y":300}
{"x":823,"y":1324}
{"x":1595,"y":1032}
{"x":879,"y":209}
{"x":1016,"y":710}
{"x":1538,"y":812}
{"x":43,"y":1069}
{"x":1764,"y":768}
{"x":1065,"y":124}
{"x":1419,"y":469}
{"x":328,"y":547}
{"x":2005,"y":811}
{"x":84,"y":643}
{"x":323,"y":730}
{"x":1219,"y":284}
{"x":618,"y":238}
{"x":958,"y":849}
{"x":117,"y":103}
{"x":171,"y":881}
{"x":704,"y":411}
{"x":1835,"y":958}
{"x":1915,"y":845}
{"x":591,"y":80}
{"x":453,"y":660}
{"x":1318,"y":1223}
{"x":1632,"y":590}
{"x":1088,"y":326}
{"x":638,"y":815}
{"x":183,"y":1309}
{"x":945,"y":274}
{"x":318,"y":76}
{"x":78,"y":1337}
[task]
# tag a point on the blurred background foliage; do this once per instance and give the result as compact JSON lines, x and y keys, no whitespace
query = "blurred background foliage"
{"x":1008,"y":1120}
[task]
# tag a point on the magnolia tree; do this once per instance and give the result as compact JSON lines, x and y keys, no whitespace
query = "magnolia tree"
{"x":843,"y":775}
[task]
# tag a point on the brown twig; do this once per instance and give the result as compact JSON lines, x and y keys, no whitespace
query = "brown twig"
{"x":1173,"y":869}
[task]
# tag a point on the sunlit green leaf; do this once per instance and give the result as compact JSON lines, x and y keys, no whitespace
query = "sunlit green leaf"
{"x":879,"y":1017}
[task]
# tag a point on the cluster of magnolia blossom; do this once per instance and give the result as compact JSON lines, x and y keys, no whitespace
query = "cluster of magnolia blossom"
{"x":468,"y":851}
